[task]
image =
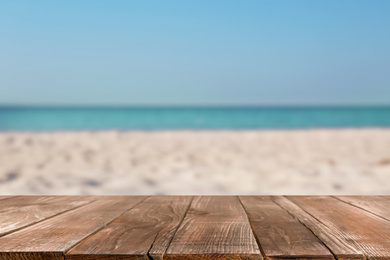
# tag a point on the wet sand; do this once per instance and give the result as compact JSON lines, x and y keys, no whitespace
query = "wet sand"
{"x":323,"y":161}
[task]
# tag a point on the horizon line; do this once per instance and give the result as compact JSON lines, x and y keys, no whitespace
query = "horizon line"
{"x":137,"y":106}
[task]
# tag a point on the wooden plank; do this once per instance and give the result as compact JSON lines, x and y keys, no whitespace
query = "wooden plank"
{"x":279,"y":234}
{"x":379,"y":205}
{"x":215,"y":227}
{"x":366,"y":232}
{"x":31,"y":256}
{"x":338,"y":245}
{"x":21,"y":211}
{"x":145,"y":230}
{"x":50,"y":238}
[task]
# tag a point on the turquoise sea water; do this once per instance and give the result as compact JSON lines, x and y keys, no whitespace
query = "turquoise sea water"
{"x":152,"y":118}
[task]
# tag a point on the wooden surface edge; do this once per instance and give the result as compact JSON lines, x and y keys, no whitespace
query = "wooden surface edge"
{"x":31,"y":256}
{"x":105,"y":257}
{"x":214,"y":256}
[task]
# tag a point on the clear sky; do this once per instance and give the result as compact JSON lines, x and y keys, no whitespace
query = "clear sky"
{"x":199,"y":52}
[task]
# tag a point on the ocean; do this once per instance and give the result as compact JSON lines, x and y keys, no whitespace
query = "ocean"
{"x":163,"y":118}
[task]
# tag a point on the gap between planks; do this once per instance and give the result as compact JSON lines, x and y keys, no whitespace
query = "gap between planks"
{"x":362,"y":230}
{"x":342,"y":199}
{"x":49,"y":216}
{"x":330,"y":250}
{"x":170,"y":241}
{"x":102,"y":227}
{"x":250,"y":223}
{"x":145,"y":231}
{"x":279,"y":234}
{"x":53,"y":236}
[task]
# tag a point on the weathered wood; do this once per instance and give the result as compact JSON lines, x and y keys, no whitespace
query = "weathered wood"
{"x":145,"y":230}
{"x":21,"y":211}
{"x":159,"y":227}
{"x":280,"y":235}
{"x":214,"y":228}
{"x":54,"y":236}
{"x":31,"y":256}
{"x":379,"y":205}
{"x":364,"y":231}
{"x":339,"y":246}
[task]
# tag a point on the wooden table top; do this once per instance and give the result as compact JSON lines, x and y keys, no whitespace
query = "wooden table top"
{"x":194,"y":227}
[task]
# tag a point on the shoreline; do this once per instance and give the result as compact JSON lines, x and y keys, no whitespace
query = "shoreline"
{"x":178,"y":130}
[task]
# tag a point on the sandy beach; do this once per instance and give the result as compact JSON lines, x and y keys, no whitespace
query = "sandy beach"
{"x":323,"y":161}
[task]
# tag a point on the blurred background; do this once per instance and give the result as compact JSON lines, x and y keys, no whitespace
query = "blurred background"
{"x":195,"y":97}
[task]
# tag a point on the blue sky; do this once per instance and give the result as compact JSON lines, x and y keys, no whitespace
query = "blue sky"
{"x":218,"y":52}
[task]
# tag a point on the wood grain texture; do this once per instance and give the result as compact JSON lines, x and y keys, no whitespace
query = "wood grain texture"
{"x":207,"y":227}
{"x":215,"y":227}
{"x":339,"y":246}
{"x":21,"y":211}
{"x":364,"y":231}
{"x":145,"y":230}
{"x":56,"y":235}
{"x":379,"y":205}
{"x":280,"y":235}
{"x":31,"y":256}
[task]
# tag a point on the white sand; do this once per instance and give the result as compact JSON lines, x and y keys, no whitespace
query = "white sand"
{"x":348,"y":161}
